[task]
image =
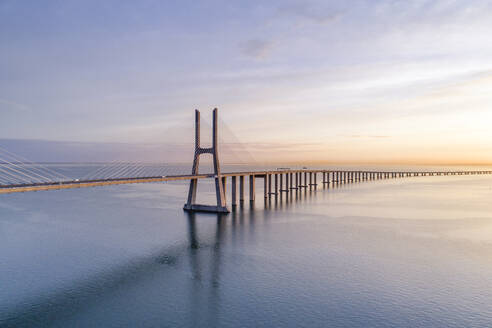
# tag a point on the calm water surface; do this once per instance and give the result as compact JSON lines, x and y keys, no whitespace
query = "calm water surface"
{"x":412,"y":252}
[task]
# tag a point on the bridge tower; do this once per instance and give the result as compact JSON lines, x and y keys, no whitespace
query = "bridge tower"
{"x":219,"y":187}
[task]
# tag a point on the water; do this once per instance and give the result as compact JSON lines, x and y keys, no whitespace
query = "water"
{"x":412,"y":252}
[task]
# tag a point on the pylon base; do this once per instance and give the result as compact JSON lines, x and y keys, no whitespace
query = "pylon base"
{"x":205,"y":208}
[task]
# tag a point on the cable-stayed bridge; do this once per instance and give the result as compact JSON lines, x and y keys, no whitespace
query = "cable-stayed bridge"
{"x":17,"y":174}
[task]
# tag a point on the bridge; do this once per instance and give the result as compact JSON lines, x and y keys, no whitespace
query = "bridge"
{"x":17,"y":175}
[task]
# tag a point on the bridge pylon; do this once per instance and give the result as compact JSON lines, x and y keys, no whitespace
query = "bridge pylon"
{"x":191,"y":205}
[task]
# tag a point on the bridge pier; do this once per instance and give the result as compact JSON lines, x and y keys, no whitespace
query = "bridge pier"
{"x":224,"y":184}
{"x":252,"y":190}
{"x":241,"y":189}
{"x":265,"y":186}
{"x":191,"y":205}
{"x":233,"y":191}
{"x":276,"y":185}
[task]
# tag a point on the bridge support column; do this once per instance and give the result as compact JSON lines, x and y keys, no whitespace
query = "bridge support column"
{"x":191,"y":205}
{"x":265,"y":186}
{"x":276,"y":185}
{"x":252,"y":188}
{"x":224,"y":186}
{"x":233,"y":192}
{"x":241,"y":188}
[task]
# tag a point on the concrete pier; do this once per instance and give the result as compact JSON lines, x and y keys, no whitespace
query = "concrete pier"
{"x":276,"y":185}
{"x":252,"y":191}
{"x":265,"y":186}
{"x":241,"y":188}
{"x":233,"y":191}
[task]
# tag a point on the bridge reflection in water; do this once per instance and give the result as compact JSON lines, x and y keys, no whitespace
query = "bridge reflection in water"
{"x":203,"y":252}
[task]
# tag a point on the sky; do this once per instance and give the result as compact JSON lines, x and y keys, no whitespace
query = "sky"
{"x":363,"y":81}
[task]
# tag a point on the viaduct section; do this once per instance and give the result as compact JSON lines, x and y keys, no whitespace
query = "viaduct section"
{"x":276,"y":183}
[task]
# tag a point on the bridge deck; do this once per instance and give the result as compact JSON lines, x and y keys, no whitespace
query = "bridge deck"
{"x":5,"y":189}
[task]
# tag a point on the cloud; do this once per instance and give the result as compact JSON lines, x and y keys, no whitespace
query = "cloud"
{"x":308,"y":13}
{"x":257,"y":48}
